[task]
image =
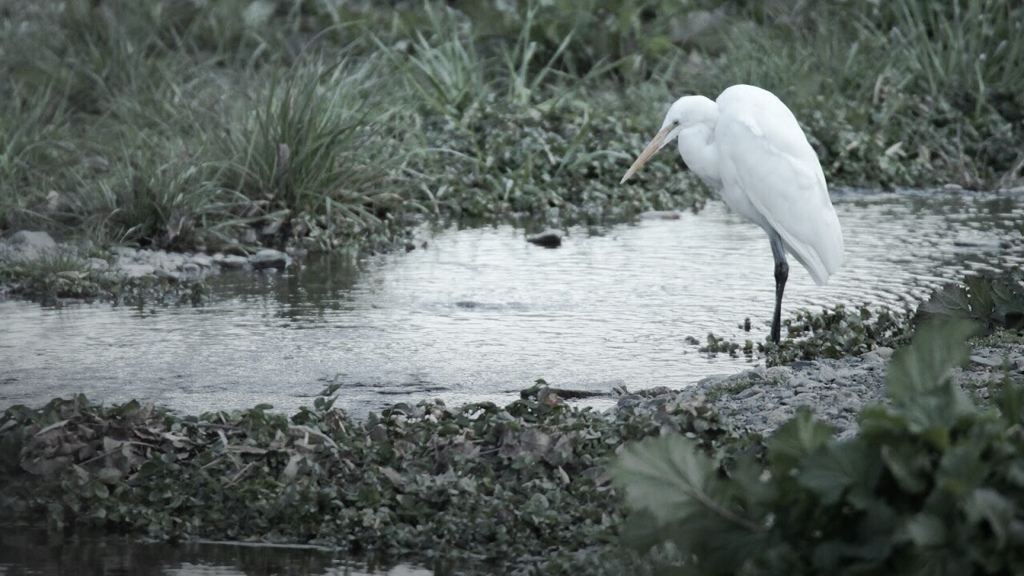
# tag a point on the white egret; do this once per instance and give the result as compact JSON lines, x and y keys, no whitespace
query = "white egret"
{"x":748,"y":146}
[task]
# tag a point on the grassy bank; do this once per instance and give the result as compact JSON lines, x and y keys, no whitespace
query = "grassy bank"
{"x":333,"y":124}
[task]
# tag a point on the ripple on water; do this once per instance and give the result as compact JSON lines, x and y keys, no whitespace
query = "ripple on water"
{"x":481,"y":313}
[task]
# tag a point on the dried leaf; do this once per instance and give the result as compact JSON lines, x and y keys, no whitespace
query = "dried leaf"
{"x":52,"y":427}
{"x":292,"y":468}
{"x":393,"y":475}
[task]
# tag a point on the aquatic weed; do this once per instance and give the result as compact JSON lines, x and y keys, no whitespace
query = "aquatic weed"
{"x":522,"y":485}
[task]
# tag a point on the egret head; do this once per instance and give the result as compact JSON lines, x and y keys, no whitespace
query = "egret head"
{"x":685,"y":112}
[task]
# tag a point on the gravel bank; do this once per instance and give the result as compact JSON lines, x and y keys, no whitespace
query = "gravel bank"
{"x":28,"y":246}
{"x":761,"y":399}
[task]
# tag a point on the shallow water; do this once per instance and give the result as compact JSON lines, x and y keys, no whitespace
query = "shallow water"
{"x":480,"y":313}
{"x":24,"y":552}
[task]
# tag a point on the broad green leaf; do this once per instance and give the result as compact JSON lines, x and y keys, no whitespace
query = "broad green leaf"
{"x":926,"y":530}
{"x":838,"y":466}
{"x":909,"y":464}
{"x":963,"y":469}
{"x":879,"y":422}
{"x":982,"y":300}
{"x":1014,"y":473}
{"x":1011,"y":402}
{"x":642,"y":531}
{"x":1009,"y":299}
{"x":950,"y":300}
{"x":664,"y":476}
{"x":100,"y":490}
{"x":746,"y":481}
{"x":986,"y":504}
{"x":924,"y":366}
{"x":796,"y":439}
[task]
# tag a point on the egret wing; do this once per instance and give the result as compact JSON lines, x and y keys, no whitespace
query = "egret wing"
{"x":767,"y":162}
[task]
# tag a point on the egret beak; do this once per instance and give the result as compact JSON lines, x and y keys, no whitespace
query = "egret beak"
{"x":652,"y":148}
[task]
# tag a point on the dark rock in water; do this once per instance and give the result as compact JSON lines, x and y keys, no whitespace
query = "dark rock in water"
{"x":268,"y":258}
{"x":549,"y":238}
{"x":660,"y":215}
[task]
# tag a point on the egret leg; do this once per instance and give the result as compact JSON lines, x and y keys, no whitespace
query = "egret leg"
{"x":781,"y":275}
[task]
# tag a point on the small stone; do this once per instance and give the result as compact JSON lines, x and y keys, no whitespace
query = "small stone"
{"x":136,"y":270}
{"x":884,"y":351}
{"x":987,"y":361}
{"x":778,"y":373}
{"x":31,"y":244}
{"x":751,"y":375}
{"x":660,"y":215}
{"x":802,"y":382}
{"x":270,"y":258}
{"x":826,"y":373}
{"x":203,"y":260}
{"x":779,"y":416}
{"x":752,"y":392}
{"x":783,"y":393}
{"x":628,"y":401}
{"x":190,"y":269}
{"x":549,"y":238}
{"x":97,"y":264}
{"x":871,"y":357}
{"x":232,"y":261}
{"x":160,"y":260}
{"x":708,"y":381}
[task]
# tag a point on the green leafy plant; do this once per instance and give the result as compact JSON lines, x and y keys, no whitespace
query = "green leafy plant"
{"x":519,"y":485}
{"x":995,"y":301}
{"x":931,"y":484}
{"x":831,"y":333}
{"x":971,"y":46}
{"x":315,"y":156}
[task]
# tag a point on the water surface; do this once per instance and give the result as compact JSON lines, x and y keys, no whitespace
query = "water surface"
{"x":24,"y":552}
{"x":480,"y":314}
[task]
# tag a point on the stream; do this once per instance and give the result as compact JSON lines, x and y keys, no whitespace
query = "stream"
{"x":479,"y":313}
